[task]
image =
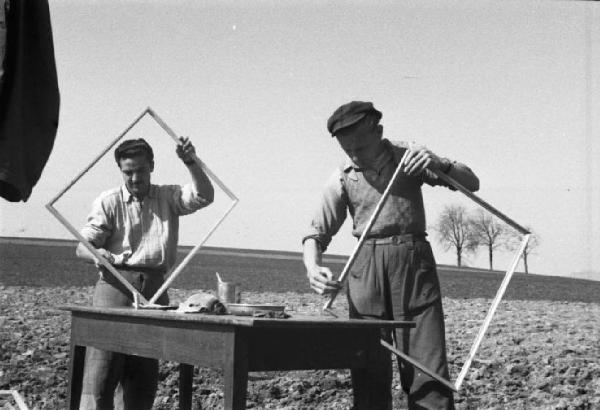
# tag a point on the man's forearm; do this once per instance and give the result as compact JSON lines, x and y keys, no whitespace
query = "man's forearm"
{"x":311,"y":253}
{"x":84,"y":253}
{"x":464,"y":176}
{"x":201,"y":182}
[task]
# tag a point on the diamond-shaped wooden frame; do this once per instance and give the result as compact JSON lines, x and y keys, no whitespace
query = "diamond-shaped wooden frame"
{"x":138,"y":298}
{"x":499,"y":294}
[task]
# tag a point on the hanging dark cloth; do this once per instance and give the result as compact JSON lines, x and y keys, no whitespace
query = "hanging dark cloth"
{"x":29,"y":98}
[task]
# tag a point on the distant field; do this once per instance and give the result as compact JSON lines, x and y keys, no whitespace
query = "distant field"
{"x":55,"y":264}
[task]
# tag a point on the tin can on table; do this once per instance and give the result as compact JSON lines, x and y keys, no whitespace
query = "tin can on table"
{"x":228,"y":292}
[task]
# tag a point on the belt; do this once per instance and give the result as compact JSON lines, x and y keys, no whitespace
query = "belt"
{"x":397,"y":239}
{"x":141,"y":269}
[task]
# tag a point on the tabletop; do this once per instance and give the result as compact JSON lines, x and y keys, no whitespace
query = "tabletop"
{"x":323,"y":320}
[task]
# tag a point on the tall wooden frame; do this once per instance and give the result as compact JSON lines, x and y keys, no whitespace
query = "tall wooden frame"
{"x":499,"y":294}
{"x":138,"y":298}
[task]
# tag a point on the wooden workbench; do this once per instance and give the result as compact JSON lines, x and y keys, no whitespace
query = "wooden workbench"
{"x":236,"y":344}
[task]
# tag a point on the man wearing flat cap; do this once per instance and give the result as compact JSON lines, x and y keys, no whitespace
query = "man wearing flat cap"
{"x":135,"y":227}
{"x":394,"y":275}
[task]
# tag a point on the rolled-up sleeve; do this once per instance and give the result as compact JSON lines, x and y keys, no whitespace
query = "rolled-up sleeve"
{"x":458,"y":171}
{"x":98,"y":226}
{"x":185,"y":200}
{"x":330,"y":213}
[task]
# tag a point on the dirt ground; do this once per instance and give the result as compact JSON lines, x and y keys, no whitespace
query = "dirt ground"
{"x":536,"y":354}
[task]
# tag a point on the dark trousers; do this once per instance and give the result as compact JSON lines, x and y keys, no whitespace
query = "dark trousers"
{"x":134,"y":378}
{"x":396,"y":278}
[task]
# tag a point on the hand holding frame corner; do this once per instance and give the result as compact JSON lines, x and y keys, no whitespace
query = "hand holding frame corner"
{"x":418,"y":158}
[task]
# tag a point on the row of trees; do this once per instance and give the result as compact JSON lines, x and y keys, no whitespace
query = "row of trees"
{"x":467,"y":232}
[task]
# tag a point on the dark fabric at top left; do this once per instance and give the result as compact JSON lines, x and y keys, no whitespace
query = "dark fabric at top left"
{"x":29,"y":99}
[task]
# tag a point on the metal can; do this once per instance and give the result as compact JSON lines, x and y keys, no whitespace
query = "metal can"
{"x":228,"y":292}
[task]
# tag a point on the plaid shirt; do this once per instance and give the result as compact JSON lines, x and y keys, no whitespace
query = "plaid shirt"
{"x":142,"y":234}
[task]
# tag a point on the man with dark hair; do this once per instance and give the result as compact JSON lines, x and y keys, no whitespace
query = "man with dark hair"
{"x":394,"y":275}
{"x":133,"y":148}
{"x":135,"y":227}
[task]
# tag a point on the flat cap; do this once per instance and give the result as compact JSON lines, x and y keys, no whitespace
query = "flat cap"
{"x":349,"y":114}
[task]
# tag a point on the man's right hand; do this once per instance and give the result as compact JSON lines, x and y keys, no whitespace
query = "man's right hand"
{"x":106,"y":254}
{"x":321,"y":280}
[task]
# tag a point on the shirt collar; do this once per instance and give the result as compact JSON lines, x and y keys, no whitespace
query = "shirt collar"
{"x":386,"y":156}
{"x":127,"y":197}
{"x":397,"y":148}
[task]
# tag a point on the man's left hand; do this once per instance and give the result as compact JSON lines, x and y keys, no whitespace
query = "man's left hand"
{"x":185,"y":150}
{"x":418,"y":158}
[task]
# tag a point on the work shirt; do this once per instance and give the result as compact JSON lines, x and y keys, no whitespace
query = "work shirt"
{"x":141,"y":233}
{"x":357,"y":191}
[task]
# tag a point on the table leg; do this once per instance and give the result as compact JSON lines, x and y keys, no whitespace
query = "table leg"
{"x":366,"y":394}
{"x":186,"y":375}
{"x":76,"y":375}
{"x":235,"y":372}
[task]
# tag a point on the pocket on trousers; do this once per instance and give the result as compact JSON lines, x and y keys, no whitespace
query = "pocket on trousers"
{"x":426,"y":287}
{"x":364,"y":288}
{"x":361,"y":263}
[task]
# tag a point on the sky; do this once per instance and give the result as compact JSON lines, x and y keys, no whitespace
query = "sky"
{"x":508,"y":88}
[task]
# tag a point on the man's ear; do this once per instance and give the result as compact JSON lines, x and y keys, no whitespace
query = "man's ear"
{"x":152,"y":166}
{"x":379,"y":130}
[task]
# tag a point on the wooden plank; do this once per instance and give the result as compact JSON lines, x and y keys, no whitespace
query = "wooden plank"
{"x":186,"y":343}
{"x":418,"y":365}
{"x":480,"y":201}
{"x":491,"y":312}
{"x":100,"y":312}
{"x":318,"y":322}
{"x":306,"y":321}
{"x":16,"y":397}
{"x":298,"y":349}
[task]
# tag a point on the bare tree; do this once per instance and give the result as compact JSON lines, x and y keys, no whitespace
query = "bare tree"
{"x":532,"y":244}
{"x":455,"y":231}
{"x":489,"y":232}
